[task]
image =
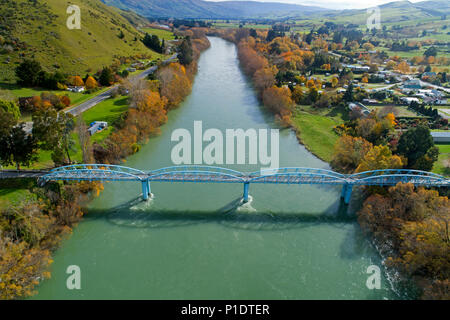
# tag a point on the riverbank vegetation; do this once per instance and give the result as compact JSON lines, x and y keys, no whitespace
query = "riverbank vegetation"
{"x":32,"y":228}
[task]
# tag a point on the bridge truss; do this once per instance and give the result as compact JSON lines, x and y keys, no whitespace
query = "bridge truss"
{"x":210,"y":174}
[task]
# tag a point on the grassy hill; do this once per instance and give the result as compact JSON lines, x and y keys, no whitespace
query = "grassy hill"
{"x":37,"y":29}
{"x":393,"y":12}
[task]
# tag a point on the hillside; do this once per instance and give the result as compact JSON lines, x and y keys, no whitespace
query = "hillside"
{"x":212,"y":10}
{"x":395,"y":12}
{"x":37,"y":29}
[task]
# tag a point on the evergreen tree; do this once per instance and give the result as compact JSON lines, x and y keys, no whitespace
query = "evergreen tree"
{"x":29,"y":73}
{"x":348,"y":96}
{"x":186,"y":54}
{"x":106,"y":77}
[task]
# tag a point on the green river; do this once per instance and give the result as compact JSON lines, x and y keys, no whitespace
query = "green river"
{"x":194,"y":241}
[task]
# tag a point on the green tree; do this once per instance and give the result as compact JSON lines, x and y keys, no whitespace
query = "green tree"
{"x":431,"y":52}
{"x":29,"y":73}
{"x":54,"y":132}
{"x":106,"y":77}
{"x":186,"y":54}
{"x":418,"y":147}
{"x":153,"y":42}
{"x":348,"y":96}
{"x":10,"y":107}
{"x":16,"y":146}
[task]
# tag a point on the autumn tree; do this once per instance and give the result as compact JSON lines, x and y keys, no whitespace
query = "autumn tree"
{"x":349,"y":152}
{"x":278,"y":100}
{"x":175,"y":83}
{"x":297,"y":94}
{"x":91,"y":83}
{"x":380,"y":157}
{"x":76,"y":81}
{"x":264,"y":78}
{"x":403,"y":67}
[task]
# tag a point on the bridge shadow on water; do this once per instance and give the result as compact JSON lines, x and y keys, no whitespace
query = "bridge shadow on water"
{"x":139,"y":214}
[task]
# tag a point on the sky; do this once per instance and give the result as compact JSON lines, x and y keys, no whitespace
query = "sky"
{"x":332,"y":4}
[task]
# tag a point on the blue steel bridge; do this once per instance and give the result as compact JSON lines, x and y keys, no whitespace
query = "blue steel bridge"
{"x":209,"y":174}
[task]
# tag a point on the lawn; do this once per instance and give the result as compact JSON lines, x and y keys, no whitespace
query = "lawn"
{"x":15,"y":191}
{"x":109,"y":110}
{"x":315,"y":129}
{"x":443,"y":163}
{"x":162,"y":34}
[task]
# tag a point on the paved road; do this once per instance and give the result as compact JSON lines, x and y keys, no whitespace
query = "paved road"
{"x":28,"y":174}
{"x":75,"y":111}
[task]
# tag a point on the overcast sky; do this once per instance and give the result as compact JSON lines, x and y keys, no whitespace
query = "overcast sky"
{"x":332,"y":4}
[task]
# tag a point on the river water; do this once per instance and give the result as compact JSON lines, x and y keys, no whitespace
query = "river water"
{"x":194,"y":241}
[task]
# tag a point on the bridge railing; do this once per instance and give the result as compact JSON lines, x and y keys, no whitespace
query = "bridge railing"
{"x":394,"y":179}
{"x":198,"y":169}
{"x":385,"y":172}
{"x":293,"y":170}
{"x":109,"y":167}
{"x":197,"y":174}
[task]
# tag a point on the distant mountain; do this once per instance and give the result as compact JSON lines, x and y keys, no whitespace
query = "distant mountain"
{"x":213,"y":10}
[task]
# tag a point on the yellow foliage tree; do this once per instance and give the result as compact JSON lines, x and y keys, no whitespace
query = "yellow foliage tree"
{"x":91,"y":83}
{"x":380,"y":157}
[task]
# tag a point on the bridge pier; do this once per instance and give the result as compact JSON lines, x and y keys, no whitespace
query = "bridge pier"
{"x":246,"y":190}
{"x":146,"y":190}
{"x":346,"y":194}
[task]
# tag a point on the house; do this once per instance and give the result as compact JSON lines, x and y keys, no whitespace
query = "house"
{"x":97,"y":126}
{"x":428,"y":75}
{"x":412,"y":84}
{"x":76,"y":89}
{"x":441,"y":137}
{"x":355,"y":68}
{"x":434,"y":100}
{"x":409,"y":100}
{"x":371,"y":101}
{"x":364,"y":110}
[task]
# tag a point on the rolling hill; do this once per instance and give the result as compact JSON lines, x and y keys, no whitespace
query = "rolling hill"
{"x":37,"y":29}
{"x":212,"y":10}
{"x":394,"y":12}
